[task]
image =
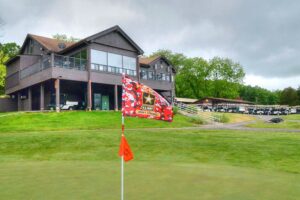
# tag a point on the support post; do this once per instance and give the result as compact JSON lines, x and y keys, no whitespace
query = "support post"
{"x":89,"y":85}
{"x":19,"y":101}
{"x":89,"y":95}
{"x":29,"y":99}
{"x":138,"y":69}
{"x":116,"y":98}
{"x":42,"y":97}
{"x":52,"y":60}
{"x":57,"y":94}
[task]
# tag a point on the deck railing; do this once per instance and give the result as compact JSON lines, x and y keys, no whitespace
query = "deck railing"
{"x":151,"y":75}
{"x":70,"y":62}
{"x":59,"y":61}
{"x":41,"y":65}
{"x":111,"y":69}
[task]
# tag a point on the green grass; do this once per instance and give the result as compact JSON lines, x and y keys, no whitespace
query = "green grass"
{"x":292,"y":117}
{"x":290,"y":122}
{"x":285,"y":125}
{"x":70,"y":163}
{"x":81,"y":121}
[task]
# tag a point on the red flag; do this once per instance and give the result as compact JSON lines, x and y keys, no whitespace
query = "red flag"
{"x":139,"y":100}
{"x":125,"y":150}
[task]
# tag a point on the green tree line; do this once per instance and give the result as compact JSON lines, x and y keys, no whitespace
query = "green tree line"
{"x":7,"y":51}
{"x":223,"y":78}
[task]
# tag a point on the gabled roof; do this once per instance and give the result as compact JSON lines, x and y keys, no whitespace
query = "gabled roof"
{"x":50,"y":44}
{"x":228,"y":100}
{"x":186,"y":100}
{"x":150,"y":60}
{"x":105,"y":32}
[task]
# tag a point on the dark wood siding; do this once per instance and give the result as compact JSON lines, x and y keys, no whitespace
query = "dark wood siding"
{"x":114,"y":39}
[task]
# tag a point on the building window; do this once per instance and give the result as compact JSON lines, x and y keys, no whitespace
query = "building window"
{"x":30,"y":47}
{"x":113,"y":63}
{"x":114,"y":60}
{"x":98,"y":57}
{"x":168,"y":77}
{"x":129,"y":63}
{"x":150,"y":75}
{"x":168,"y":69}
{"x":143,"y":74}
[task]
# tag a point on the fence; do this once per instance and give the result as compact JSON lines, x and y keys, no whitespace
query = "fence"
{"x":195,"y":111}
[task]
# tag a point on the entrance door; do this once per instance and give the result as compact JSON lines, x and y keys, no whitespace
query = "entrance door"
{"x":105,"y":102}
{"x":97,"y":101}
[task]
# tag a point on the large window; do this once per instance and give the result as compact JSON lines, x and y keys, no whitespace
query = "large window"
{"x":98,"y":57}
{"x":114,"y":60}
{"x":114,"y":63}
{"x":129,"y":63}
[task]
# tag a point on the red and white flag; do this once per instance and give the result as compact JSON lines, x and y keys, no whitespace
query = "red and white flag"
{"x":139,"y":100}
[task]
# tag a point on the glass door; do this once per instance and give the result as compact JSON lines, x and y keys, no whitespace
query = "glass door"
{"x":97,"y":101}
{"x":105,"y":102}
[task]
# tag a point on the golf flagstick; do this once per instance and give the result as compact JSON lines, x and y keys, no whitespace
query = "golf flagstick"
{"x":122,"y":161}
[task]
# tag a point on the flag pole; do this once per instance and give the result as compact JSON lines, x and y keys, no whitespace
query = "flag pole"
{"x":122,"y":146}
{"x":122,"y":161}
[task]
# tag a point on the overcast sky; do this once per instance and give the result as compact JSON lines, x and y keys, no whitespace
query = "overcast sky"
{"x":263,"y":36}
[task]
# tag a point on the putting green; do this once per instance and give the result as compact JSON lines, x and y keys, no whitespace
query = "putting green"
{"x":143,"y":180}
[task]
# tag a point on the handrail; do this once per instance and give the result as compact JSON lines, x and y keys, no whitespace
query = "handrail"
{"x":70,"y":62}
{"x":112,"y":69}
{"x":195,"y":111}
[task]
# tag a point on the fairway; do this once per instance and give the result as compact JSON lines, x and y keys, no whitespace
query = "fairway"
{"x":70,"y":162}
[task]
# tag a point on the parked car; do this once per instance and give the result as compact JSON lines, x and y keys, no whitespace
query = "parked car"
{"x":284,"y":112}
{"x":241,"y":109}
{"x":275,"y":112}
{"x":251,"y":111}
{"x":70,"y":105}
{"x":207,"y":109}
{"x":293,"y":111}
{"x":259,"y":112}
{"x":267,"y":111}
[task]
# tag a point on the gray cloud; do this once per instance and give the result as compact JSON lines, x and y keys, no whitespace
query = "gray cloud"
{"x":262,"y":35}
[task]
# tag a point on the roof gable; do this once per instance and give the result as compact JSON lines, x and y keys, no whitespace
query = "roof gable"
{"x":49,"y":44}
{"x":113,"y":36}
{"x":154,"y":59}
{"x":115,"y":39}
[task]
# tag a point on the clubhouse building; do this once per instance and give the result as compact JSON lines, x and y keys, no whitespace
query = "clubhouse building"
{"x":52,"y":74}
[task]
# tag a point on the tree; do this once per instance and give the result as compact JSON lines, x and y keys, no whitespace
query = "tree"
{"x":289,"y":97}
{"x":259,"y":95}
{"x":65,"y":38}
{"x":198,"y":78}
{"x":7,"y":51}
{"x":226,"y":76}
{"x":298,"y":93}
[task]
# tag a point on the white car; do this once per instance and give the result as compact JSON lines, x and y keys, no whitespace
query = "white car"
{"x":293,"y":111}
{"x":69,"y":105}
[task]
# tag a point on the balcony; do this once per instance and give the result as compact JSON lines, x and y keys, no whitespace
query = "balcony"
{"x":151,"y":75}
{"x":44,"y":63}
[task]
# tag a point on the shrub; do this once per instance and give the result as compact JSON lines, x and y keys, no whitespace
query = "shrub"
{"x":196,"y":120}
{"x":175,"y":110}
{"x":223,"y":118}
